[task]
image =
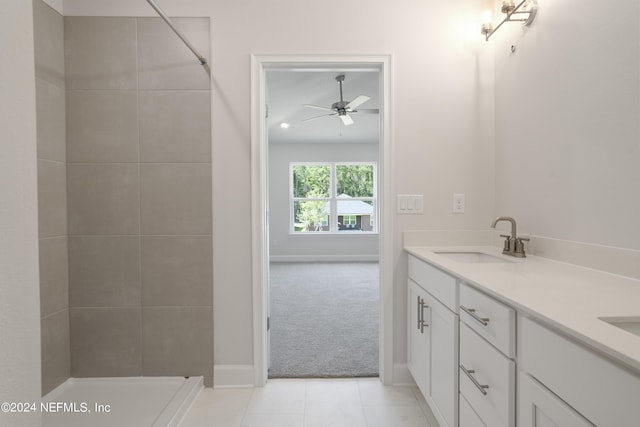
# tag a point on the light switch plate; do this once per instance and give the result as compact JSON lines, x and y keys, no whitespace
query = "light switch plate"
{"x":411,"y":204}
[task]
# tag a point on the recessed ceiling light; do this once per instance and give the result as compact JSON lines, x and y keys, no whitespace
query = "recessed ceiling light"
{"x":284,"y":125}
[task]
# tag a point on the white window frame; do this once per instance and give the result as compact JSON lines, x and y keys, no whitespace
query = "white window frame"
{"x":333,"y":199}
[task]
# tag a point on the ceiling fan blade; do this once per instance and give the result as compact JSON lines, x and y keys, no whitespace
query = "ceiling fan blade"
{"x":366,"y":111}
{"x":317,"y":107}
{"x":358,"y":101}
{"x":346,"y":120}
{"x":318,"y":117}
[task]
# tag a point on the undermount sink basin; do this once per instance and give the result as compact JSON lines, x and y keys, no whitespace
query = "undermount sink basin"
{"x":476,"y":257}
{"x":629,"y":324}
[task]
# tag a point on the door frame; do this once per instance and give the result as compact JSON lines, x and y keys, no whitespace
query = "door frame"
{"x":259,"y":198}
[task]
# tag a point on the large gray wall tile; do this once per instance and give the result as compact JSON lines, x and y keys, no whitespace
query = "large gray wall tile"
{"x":48,"y":35}
{"x":178,"y":341}
{"x":54,"y":276}
{"x":50,"y":108}
{"x":103,"y":199}
{"x":102,"y":126}
{"x":177,"y":270}
{"x":104,"y":271}
{"x":175,"y":198}
{"x":55,"y":348}
{"x":100,"y":52}
{"x":175,"y":126}
{"x":105,"y":342}
{"x":165,"y":62}
{"x":52,"y":199}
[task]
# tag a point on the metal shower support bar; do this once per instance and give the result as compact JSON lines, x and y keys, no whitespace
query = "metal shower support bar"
{"x":166,"y":19}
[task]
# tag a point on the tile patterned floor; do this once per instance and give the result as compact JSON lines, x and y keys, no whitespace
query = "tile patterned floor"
{"x":311,"y":403}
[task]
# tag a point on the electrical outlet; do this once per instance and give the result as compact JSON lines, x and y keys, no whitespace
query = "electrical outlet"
{"x":458,"y":203}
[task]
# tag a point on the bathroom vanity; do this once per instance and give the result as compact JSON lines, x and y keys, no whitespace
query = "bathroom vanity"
{"x":498,"y":341}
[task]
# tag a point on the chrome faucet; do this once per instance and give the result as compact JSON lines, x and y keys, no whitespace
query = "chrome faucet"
{"x":513,"y":245}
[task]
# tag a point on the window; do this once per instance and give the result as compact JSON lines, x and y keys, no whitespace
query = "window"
{"x":333,"y":197}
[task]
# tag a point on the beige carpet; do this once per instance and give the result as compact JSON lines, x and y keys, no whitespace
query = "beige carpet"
{"x":324,"y":320}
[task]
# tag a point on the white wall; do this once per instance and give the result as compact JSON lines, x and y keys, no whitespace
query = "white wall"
{"x":568,"y":122}
{"x":442,"y":97}
{"x":283,"y":245}
{"x":56,"y":4}
{"x":19,"y":285}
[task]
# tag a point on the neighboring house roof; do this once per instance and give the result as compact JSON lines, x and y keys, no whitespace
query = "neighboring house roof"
{"x":351,"y":207}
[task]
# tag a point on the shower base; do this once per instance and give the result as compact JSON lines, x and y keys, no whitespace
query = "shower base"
{"x":123,"y":402}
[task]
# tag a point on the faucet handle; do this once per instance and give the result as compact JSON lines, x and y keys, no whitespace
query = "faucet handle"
{"x":507,"y":243}
{"x":519,"y":246}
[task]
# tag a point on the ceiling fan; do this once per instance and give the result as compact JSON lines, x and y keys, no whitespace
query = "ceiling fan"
{"x":343,"y":108}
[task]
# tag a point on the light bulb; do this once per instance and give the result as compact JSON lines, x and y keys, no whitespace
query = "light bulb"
{"x":487,"y":22}
{"x":486,"y":17}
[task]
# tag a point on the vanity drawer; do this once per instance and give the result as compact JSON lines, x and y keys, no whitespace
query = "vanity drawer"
{"x":436,"y":282}
{"x":491,"y":319}
{"x":486,"y":366}
{"x":468,"y":418}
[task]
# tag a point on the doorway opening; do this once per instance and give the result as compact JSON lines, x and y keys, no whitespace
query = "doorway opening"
{"x":327,"y":241}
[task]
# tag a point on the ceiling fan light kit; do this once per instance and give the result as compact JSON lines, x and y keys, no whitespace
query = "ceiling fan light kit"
{"x":342,"y":108}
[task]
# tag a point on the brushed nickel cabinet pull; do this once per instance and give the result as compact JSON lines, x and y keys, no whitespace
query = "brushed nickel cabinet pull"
{"x":423,"y":323}
{"x":472,"y":312}
{"x":469,"y":372}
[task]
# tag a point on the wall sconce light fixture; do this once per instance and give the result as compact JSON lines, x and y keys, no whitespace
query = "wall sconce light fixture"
{"x":525,"y":12}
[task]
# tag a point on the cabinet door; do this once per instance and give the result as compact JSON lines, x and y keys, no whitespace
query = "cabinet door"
{"x":444,"y":363}
{"x":538,"y":407}
{"x":468,"y":418}
{"x":418,"y":337}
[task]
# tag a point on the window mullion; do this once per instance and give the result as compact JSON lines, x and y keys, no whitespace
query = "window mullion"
{"x":333,"y":223}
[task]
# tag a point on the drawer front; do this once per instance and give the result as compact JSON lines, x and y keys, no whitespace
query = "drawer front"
{"x":436,"y":282}
{"x":486,"y":366}
{"x":468,"y":418}
{"x":603,"y":392}
{"x":493,"y":320}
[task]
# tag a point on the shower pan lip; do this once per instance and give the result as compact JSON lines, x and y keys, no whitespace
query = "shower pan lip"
{"x":160,"y":401}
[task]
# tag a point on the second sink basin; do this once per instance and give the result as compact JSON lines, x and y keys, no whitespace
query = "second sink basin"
{"x":629,"y":324}
{"x":471,"y":256}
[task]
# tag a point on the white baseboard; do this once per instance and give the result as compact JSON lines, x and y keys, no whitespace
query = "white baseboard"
{"x":323,"y":258}
{"x":232,"y":376}
{"x":401,"y":375}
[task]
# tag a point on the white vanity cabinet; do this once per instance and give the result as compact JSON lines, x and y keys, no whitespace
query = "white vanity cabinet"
{"x":564,"y":382}
{"x":487,"y":350}
{"x":481,"y":364}
{"x":433,"y":338}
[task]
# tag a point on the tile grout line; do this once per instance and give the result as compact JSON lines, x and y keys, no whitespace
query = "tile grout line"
{"x":142,"y":352}
{"x":362,"y":408}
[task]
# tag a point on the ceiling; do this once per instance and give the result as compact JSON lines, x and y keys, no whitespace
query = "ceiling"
{"x":289,"y":89}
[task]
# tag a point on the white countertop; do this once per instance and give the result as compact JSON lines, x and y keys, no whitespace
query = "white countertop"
{"x":568,"y":297}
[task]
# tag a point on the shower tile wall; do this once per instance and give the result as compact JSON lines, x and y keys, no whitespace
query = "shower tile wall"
{"x":139,"y":198}
{"x":52,"y":195}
